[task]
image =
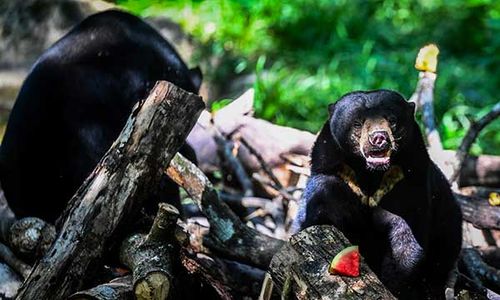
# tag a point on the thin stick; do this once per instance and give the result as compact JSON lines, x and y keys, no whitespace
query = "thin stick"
{"x":469,"y":138}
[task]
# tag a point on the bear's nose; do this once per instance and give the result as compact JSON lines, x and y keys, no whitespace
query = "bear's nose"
{"x":379,"y":139}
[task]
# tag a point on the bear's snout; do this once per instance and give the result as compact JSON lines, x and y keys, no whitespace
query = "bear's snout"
{"x":379,"y":139}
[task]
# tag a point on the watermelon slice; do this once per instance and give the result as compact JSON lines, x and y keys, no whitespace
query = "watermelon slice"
{"x":346,"y":262}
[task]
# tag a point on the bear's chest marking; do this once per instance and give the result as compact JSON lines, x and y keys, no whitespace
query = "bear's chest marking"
{"x":390,"y":178}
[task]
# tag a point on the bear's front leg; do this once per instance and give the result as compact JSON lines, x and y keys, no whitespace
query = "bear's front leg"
{"x":404,"y":257}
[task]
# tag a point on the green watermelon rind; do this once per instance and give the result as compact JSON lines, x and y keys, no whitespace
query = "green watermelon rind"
{"x":339,"y":256}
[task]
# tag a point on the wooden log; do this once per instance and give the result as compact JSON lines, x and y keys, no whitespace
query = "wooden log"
{"x":113,"y":192}
{"x":479,"y":271}
{"x":9,"y":282}
{"x":478,"y":191}
{"x":31,"y":237}
{"x":300,"y":269}
{"x":117,"y":289}
{"x":269,"y":140}
{"x":150,"y":256}
{"x":479,"y":212}
{"x":490,"y":255}
{"x":7,"y":256}
{"x":483,"y":170}
{"x":228,"y":235}
{"x":225,"y":151}
{"x":231,"y":280}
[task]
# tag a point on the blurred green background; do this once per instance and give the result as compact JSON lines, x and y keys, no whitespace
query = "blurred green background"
{"x":306,"y":54}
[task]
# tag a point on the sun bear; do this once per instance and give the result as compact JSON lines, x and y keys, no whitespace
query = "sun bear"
{"x":372,"y":178}
{"x":74,"y":103}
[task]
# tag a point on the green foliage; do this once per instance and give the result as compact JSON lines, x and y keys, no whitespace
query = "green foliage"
{"x":306,"y":54}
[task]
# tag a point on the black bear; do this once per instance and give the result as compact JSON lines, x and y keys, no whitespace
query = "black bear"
{"x":74,"y":103}
{"x":372,"y":178}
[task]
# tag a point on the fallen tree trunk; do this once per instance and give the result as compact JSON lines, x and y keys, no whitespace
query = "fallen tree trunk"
{"x":300,"y":269}
{"x":228,"y":235}
{"x":113,"y":192}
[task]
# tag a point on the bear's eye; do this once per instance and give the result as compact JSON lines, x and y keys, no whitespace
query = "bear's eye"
{"x":358,"y":124}
{"x":392,"y":120}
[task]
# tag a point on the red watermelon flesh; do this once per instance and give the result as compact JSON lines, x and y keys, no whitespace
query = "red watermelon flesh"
{"x":346,"y":262}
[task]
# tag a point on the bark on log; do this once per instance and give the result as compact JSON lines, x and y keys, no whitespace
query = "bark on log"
{"x":225,"y":151}
{"x":479,"y":212}
{"x":230,"y":279}
{"x":228,"y":235}
{"x":269,"y":140}
{"x":117,"y":289}
{"x":481,"y":170}
{"x":491,"y":256}
{"x":150,"y":256}
{"x":113,"y":192}
{"x":301,"y":268}
{"x":479,"y":271}
{"x":7,"y":256}
{"x":31,"y":238}
{"x":9,"y":282}
{"x":424,"y":98}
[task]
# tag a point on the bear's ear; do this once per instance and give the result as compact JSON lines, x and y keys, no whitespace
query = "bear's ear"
{"x":331,"y":108}
{"x":196,"y":77}
{"x":412,"y":107}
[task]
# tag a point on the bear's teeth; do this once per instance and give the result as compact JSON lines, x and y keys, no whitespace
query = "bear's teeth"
{"x":378,"y":160}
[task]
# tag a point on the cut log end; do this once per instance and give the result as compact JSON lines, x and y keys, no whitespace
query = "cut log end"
{"x":154,"y":286}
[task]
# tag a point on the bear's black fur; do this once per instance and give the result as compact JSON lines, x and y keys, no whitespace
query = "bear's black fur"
{"x":74,"y":103}
{"x":412,"y":238}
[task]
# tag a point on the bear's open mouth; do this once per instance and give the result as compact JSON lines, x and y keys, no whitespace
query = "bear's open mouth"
{"x":378,"y":158}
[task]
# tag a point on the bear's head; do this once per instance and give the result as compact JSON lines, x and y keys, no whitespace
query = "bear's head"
{"x":373,"y":127}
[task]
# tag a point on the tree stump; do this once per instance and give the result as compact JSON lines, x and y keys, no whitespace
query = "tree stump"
{"x":300,"y":269}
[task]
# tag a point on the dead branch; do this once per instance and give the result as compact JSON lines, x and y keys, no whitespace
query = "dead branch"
{"x":301,"y":268}
{"x":150,"y":256}
{"x":225,"y":150}
{"x":469,"y":138}
{"x":478,"y":191}
{"x":263,"y":164}
{"x":228,"y":235}
{"x":479,"y":271}
{"x":117,"y":289}
{"x":229,"y":279}
{"x":424,"y":99}
{"x":206,"y":268}
{"x":481,"y":170}
{"x":113,"y":192}
{"x":490,"y":255}
{"x":479,"y":212}
{"x":269,"y":140}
